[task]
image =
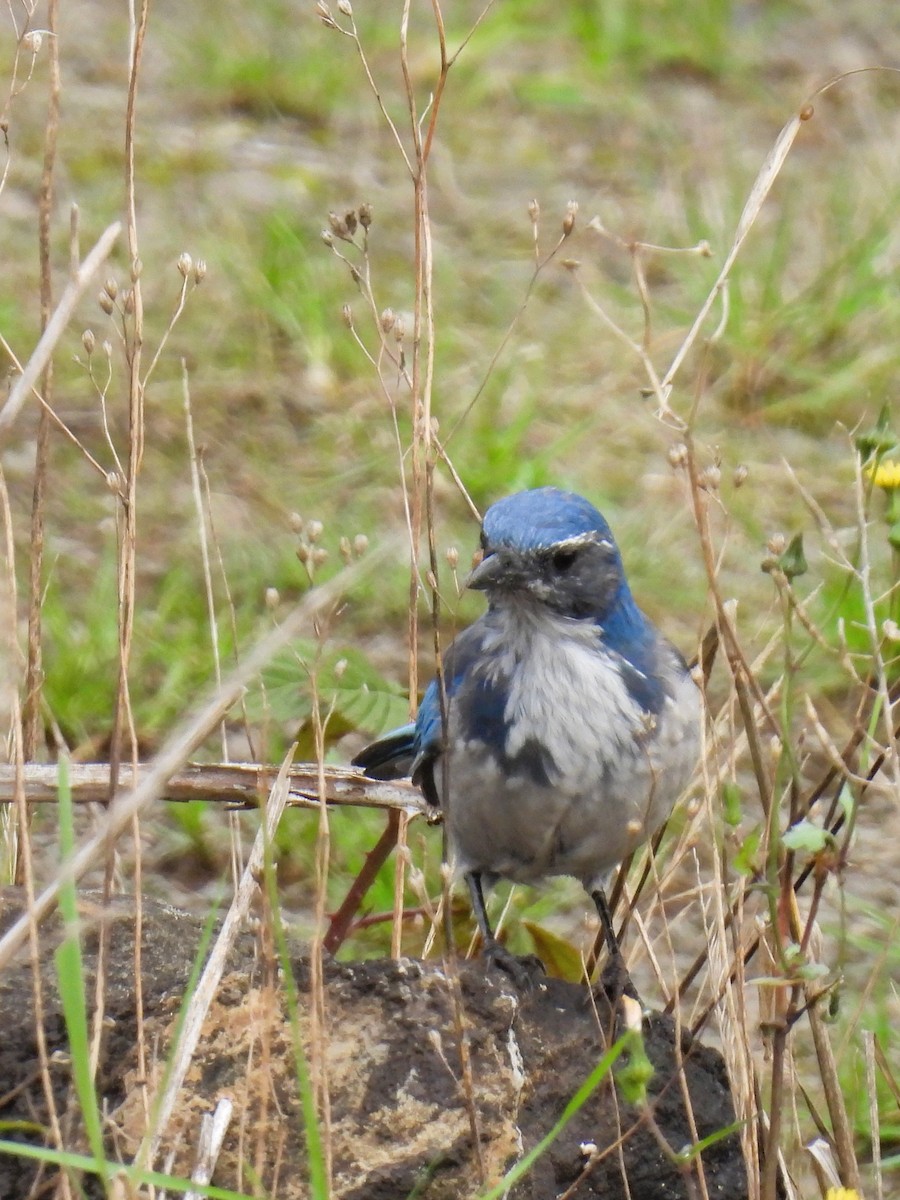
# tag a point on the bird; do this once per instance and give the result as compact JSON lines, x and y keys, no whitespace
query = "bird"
{"x":563,"y":726}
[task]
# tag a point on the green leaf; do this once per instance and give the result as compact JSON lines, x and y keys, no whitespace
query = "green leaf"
{"x":745,"y":858}
{"x":793,"y":560}
{"x":731,"y":803}
{"x":561,"y":959}
{"x":807,"y":837}
{"x":351,"y":693}
{"x":70,"y":973}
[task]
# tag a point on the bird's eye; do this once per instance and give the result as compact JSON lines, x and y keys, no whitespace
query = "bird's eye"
{"x":563,"y":559}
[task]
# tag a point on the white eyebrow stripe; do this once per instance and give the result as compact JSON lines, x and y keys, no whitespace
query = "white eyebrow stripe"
{"x":582,"y":539}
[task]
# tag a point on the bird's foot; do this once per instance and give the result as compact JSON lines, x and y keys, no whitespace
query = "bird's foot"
{"x":526,"y":972}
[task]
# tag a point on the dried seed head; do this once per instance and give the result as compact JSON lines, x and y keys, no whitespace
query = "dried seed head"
{"x":677,"y":455}
{"x":346,"y":549}
{"x":111,"y":288}
{"x":327,"y":237}
{"x":534,"y":211}
{"x":365,"y":215}
{"x":338,"y":228}
{"x":128,"y":300}
{"x":136,"y":268}
{"x":323,"y":12}
{"x":776,"y":544}
{"x":350,"y":221}
{"x":569,"y":219}
{"x":452,"y":557}
{"x":272,"y":597}
{"x":106,"y":303}
{"x":431,"y":580}
{"x":199,"y":271}
{"x":711,"y":478}
{"x":387,"y":320}
{"x":319,"y":555}
{"x":344,"y":8}
{"x":347,"y":315}
{"x":88,"y":341}
{"x":303,"y":552}
{"x":113,"y":481}
{"x":185,"y":265}
{"x":107,"y":348}
{"x":360,"y":544}
{"x":314,"y":530}
{"x":33,"y":41}
{"x":296,"y":522}
{"x":399,"y":330}
{"x":741,"y":471}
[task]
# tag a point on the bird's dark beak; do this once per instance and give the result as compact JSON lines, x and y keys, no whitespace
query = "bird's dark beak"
{"x":486,"y":574}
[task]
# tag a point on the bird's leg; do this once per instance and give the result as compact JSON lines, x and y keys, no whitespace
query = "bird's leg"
{"x":609,"y":934}
{"x":521,"y":971}
{"x":614,"y":979}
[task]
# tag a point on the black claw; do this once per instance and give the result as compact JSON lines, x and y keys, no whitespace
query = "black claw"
{"x":525,"y":972}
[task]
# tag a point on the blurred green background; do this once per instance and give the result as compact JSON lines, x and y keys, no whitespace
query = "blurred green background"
{"x":254,"y":121}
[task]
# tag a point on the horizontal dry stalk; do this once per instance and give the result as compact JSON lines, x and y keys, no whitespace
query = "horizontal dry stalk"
{"x":240,"y":785}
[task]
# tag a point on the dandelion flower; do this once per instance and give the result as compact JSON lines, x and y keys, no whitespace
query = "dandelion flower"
{"x":885,"y":474}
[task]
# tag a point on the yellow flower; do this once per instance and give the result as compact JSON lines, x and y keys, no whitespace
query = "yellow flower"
{"x":844,"y":1193}
{"x":885,"y":475}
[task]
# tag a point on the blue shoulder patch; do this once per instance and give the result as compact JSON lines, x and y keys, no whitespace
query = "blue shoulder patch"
{"x":632,"y":636}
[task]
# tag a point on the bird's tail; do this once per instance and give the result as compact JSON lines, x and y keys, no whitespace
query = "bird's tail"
{"x":391,"y":757}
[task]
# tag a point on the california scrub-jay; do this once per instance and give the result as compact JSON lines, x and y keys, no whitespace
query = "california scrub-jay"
{"x":571,"y":723}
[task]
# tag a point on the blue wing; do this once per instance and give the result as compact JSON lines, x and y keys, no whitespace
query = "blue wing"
{"x":412,"y":749}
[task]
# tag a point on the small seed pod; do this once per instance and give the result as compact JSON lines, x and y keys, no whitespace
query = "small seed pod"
{"x":106,"y":302}
{"x":569,"y":219}
{"x":185,"y":265}
{"x":711,"y":478}
{"x":111,"y":288}
{"x":88,"y":341}
{"x":365,"y":215}
{"x":741,"y":471}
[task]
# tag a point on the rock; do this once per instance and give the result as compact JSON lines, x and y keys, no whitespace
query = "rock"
{"x":402,"y":1107}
